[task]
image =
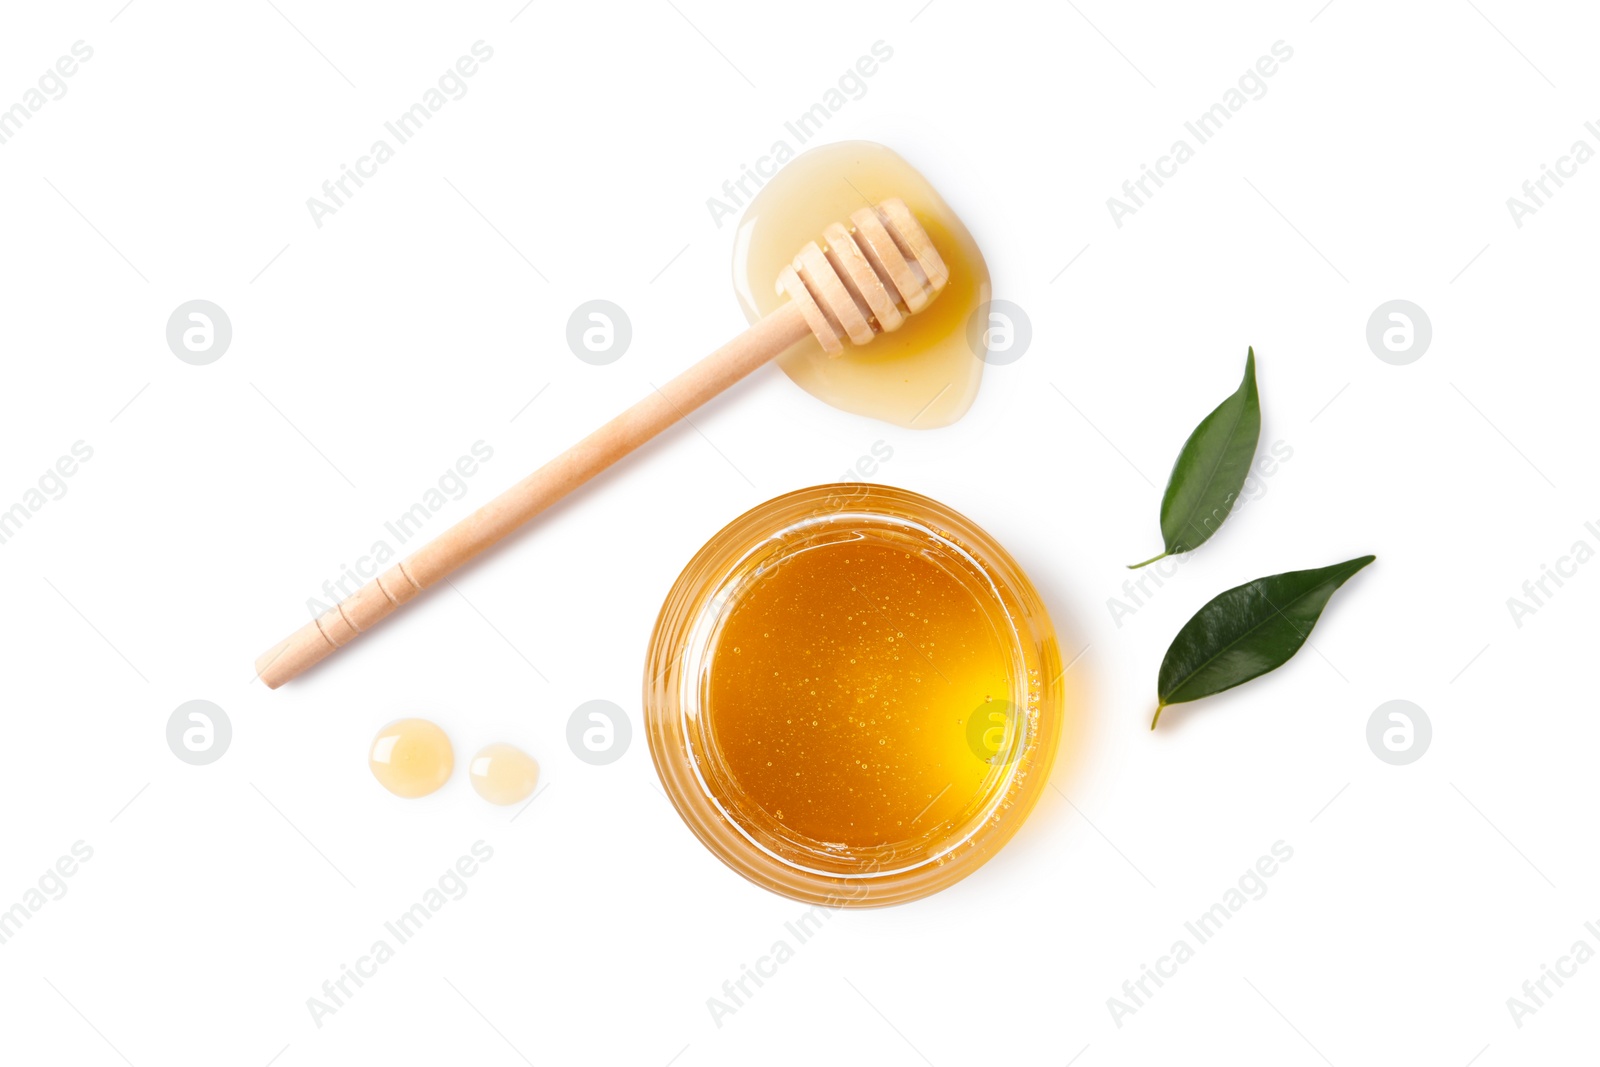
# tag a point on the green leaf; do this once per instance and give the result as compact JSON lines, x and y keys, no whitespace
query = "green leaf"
{"x":1211,"y":469}
{"x":1246,"y":632}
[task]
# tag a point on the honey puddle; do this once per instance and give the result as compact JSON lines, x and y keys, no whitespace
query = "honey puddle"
{"x":923,"y":375}
{"x":411,"y":758}
{"x":503,"y":774}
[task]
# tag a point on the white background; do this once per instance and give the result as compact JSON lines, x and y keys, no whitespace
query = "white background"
{"x":370,"y":353}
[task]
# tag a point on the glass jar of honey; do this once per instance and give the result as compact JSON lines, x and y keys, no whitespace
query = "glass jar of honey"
{"x":853,"y":695}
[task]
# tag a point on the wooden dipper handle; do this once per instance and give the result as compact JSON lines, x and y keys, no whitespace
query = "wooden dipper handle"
{"x":862,"y":283}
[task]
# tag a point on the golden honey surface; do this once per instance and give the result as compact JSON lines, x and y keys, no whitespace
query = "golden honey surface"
{"x":923,"y":375}
{"x":842,"y":689}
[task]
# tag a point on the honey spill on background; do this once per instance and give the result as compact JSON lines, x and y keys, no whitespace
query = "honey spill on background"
{"x":922,"y":375}
{"x":411,"y":757}
{"x":503,"y":774}
{"x":842,"y":685}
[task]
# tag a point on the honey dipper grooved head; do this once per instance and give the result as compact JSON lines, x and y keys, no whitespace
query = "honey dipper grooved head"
{"x":867,"y":279}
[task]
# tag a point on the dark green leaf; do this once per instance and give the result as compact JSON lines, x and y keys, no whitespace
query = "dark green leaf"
{"x":1247,"y":631}
{"x":1211,"y":469}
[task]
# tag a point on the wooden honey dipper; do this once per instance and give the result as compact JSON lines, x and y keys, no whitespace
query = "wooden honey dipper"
{"x":865,"y":281}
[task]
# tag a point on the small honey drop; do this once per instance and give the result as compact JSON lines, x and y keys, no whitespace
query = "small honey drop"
{"x":411,"y":757}
{"x":503,"y":774}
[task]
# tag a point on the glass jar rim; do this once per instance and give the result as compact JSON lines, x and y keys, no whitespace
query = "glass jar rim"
{"x":685,"y":754}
